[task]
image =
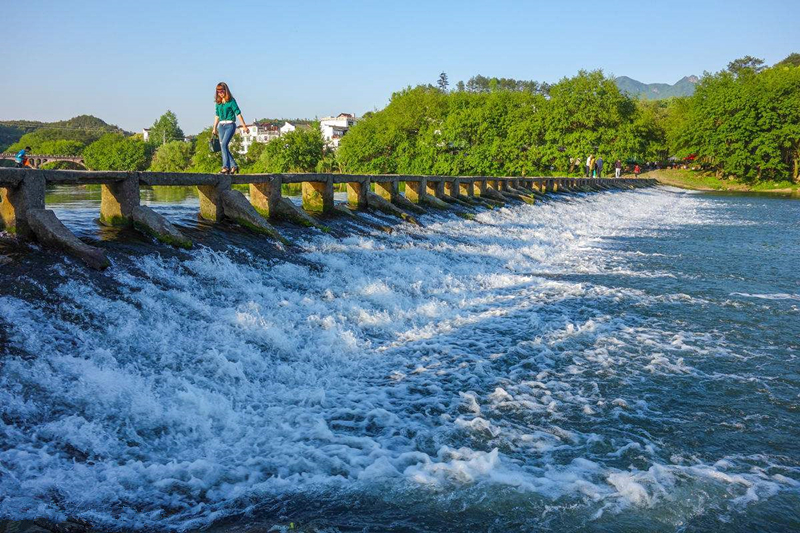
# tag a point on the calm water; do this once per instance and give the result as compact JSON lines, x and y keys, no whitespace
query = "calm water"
{"x":613,"y":362}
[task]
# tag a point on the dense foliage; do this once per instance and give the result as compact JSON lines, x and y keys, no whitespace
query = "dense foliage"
{"x":117,"y":152}
{"x":175,"y":156}
{"x":744,"y":122}
{"x":297,"y":151}
{"x":165,"y":130}
{"x":425,"y":130}
{"x":204,"y":160}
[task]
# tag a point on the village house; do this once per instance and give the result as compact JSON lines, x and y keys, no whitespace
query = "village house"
{"x":334,"y":128}
{"x":259,"y":133}
{"x":262,"y":133}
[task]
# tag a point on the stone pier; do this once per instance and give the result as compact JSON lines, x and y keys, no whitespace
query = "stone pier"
{"x":117,"y":201}
{"x":23,"y":212}
{"x":318,"y":196}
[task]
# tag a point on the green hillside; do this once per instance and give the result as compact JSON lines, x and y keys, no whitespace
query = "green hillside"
{"x":657,"y":91}
{"x":82,"y":128}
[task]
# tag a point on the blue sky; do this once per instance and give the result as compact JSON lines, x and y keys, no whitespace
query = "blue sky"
{"x":128,"y":62}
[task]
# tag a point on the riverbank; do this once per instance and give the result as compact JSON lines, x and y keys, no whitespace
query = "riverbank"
{"x":704,"y":181}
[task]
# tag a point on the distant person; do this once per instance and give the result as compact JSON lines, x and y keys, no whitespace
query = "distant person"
{"x":225,"y":123}
{"x":636,"y":170}
{"x":599,"y":165}
{"x":589,"y":166}
{"x":21,"y":159}
{"x":617,"y":168}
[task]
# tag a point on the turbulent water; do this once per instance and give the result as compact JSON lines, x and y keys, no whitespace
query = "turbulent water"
{"x":621,"y":361}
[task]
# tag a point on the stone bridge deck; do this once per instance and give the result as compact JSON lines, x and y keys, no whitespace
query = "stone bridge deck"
{"x":37,"y":160}
{"x":22,"y":204}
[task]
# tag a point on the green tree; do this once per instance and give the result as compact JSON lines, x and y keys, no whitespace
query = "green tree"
{"x":60,"y":147}
{"x":204,"y":160}
{"x":442,"y":82}
{"x":746,"y":125}
{"x":386,"y":142}
{"x":501,"y":126}
{"x":165,"y":129}
{"x":297,"y":151}
{"x":253,"y":155}
{"x":114,"y":151}
{"x":792,"y":60}
{"x":746,"y":63}
{"x":587,"y":114}
{"x":175,"y":156}
{"x":42,"y":141}
{"x":328,"y":163}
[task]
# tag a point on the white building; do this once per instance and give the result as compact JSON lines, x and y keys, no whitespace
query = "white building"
{"x":146,"y":134}
{"x":286,"y":128}
{"x":334,"y":128}
{"x":259,"y":133}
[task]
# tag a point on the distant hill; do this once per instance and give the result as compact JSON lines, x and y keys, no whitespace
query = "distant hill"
{"x":657,"y":91}
{"x":12,"y":130}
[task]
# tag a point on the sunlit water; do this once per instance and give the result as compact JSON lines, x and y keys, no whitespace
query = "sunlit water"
{"x":612,"y":362}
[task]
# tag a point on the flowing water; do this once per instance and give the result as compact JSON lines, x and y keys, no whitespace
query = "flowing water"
{"x":622,"y":361}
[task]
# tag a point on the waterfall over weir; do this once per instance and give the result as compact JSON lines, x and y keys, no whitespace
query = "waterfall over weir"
{"x":613,"y":361}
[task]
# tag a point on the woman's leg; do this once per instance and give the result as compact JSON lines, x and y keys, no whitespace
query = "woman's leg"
{"x":226,"y":132}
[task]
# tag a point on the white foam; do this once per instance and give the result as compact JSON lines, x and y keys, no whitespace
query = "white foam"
{"x":439,"y":357}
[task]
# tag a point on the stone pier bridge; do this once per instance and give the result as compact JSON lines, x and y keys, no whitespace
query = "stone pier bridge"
{"x":23,"y":210}
{"x":36,"y":160}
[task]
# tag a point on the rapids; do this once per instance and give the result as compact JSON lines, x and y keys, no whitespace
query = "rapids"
{"x":622,"y":361}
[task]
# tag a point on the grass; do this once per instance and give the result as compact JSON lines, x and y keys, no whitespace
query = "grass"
{"x":705,"y":181}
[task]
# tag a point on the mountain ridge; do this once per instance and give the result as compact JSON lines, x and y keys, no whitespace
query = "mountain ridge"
{"x":657,"y":91}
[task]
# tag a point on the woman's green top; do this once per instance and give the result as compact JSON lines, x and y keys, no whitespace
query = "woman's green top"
{"x":228,"y":110}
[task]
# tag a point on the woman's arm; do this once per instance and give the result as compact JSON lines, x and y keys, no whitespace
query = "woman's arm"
{"x":214,"y":127}
{"x":244,"y":124}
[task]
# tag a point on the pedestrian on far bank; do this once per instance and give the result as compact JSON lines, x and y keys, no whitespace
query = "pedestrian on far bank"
{"x":618,"y":168}
{"x":599,"y":165}
{"x":225,"y":124}
{"x":636,"y":171}
{"x":21,"y":159}
{"x":589,"y":166}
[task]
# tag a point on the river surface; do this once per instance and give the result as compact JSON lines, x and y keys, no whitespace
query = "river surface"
{"x":625,"y":361}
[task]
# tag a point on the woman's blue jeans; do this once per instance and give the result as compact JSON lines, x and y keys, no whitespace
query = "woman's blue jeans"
{"x":226,"y":132}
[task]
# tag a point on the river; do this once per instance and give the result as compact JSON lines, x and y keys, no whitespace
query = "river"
{"x":624,"y":361}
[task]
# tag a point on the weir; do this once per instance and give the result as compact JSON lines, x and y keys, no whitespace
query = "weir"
{"x":23,"y":211}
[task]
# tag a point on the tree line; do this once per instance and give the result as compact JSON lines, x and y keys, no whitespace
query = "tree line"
{"x":742,"y":122}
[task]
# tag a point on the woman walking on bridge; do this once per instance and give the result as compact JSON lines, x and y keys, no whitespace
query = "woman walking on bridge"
{"x":225,"y":123}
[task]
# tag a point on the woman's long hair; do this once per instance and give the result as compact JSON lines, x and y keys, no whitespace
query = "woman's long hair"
{"x":224,"y":97}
